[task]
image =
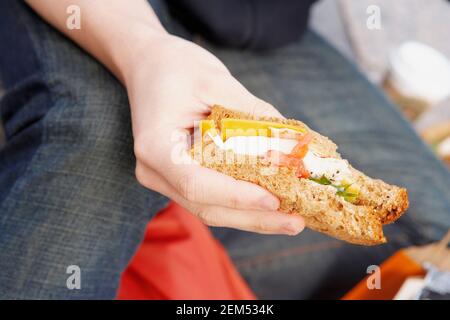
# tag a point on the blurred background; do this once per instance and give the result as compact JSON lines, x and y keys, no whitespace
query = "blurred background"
{"x":407,"y":56}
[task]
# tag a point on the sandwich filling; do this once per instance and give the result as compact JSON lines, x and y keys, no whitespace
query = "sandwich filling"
{"x":333,"y":169}
{"x":286,"y":147}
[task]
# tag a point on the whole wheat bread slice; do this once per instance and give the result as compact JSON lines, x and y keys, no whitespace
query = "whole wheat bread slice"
{"x":360,"y":222}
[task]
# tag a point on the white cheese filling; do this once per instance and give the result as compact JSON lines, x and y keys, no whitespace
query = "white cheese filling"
{"x":258,"y":145}
{"x":335,"y":170}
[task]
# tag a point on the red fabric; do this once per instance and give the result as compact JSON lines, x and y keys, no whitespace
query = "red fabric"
{"x":394,"y":271}
{"x":180,"y":259}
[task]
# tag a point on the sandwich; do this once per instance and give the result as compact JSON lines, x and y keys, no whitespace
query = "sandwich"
{"x":304,"y":170}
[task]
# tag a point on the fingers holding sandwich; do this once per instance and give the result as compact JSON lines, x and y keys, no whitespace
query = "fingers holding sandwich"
{"x":264,"y":222}
{"x":206,"y":186}
{"x":196,"y":183}
{"x":201,"y":185}
{"x":259,"y":221}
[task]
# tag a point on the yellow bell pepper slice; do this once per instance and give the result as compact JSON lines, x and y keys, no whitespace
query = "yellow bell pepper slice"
{"x":239,"y":127}
{"x":206,"y":125}
{"x":350,"y":192}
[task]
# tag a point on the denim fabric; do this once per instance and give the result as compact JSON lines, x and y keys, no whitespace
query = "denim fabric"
{"x":68,"y":191}
{"x":68,"y":195}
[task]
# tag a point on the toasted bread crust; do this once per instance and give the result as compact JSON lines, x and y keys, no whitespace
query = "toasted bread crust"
{"x":359,"y":223}
{"x":389,"y":201}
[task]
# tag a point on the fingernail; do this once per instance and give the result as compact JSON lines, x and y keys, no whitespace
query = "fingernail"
{"x":269,"y":203}
{"x":290,"y":229}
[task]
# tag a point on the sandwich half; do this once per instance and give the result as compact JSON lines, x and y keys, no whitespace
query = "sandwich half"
{"x":304,"y":170}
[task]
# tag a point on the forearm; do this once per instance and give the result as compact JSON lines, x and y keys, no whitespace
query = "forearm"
{"x":111,"y":30}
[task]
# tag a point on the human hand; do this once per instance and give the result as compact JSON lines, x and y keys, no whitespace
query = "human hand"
{"x":171,"y":84}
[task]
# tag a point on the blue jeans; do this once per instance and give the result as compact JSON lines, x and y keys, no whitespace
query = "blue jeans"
{"x":68,"y":195}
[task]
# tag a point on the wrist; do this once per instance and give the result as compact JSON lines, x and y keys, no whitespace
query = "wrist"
{"x":137,"y":43}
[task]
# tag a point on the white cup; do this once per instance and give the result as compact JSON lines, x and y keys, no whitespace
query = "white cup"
{"x":418,"y":71}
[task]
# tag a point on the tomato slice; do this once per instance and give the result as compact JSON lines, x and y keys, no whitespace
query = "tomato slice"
{"x":293,"y":162}
{"x":306,"y":139}
{"x":281,"y":159}
{"x":299,"y":151}
{"x":301,"y":170}
{"x":301,"y":148}
{"x":294,"y":159}
{"x":276,"y":157}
